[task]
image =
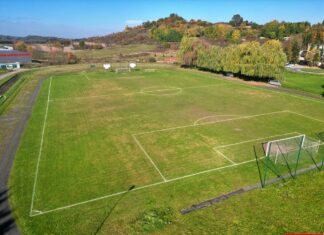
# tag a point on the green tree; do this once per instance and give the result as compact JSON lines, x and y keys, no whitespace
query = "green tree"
{"x":295,"y":51}
{"x":210,"y":32}
{"x":231,"y":59}
{"x":272,"y":61}
{"x":56,"y":44}
{"x":187,"y":53}
{"x":236,"y":20}
{"x":165,"y":35}
{"x":82,"y":44}
{"x":236,"y":36}
{"x":20,"y":46}
{"x":288,"y":51}
{"x":312,"y":56}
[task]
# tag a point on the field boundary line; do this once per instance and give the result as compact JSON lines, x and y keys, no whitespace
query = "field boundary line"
{"x":209,"y":123}
{"x":224,"y":156}
{"x":143,"y":187}
{"x":40,"y":148}
{"x":148,"y":157}
{"x":247,"y":141}
{"x":315,"y":119}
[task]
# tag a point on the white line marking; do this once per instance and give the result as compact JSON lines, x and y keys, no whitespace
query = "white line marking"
{"x":147,"y":155}
{"x":124,"y":94}
{"x":90,"y":97}
{"x":223,"y":155}
{"x":85,"y":75}
{"x":206,"y":117}
{"x":143,"y":187}
{"x":129,"y":77}
{"x":211,"y":85}
{"x":315,"y":119}
{"x":150,"y":91}
{"x":247,"y":141}
{"x":208,"y":123}
{"x":41,"y":147}
{"x":214,"y":169}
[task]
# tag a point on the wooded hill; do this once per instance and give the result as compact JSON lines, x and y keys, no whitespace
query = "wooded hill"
{"x":174,"y":27}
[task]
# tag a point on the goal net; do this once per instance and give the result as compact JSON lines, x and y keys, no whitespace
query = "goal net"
{"x":289,"y":150}
{"x":285,"y":157}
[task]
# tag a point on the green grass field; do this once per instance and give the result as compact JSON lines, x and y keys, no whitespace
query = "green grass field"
{"x":179,"y":136}
{"x":311,"y":83}
{"x":313,"y":70}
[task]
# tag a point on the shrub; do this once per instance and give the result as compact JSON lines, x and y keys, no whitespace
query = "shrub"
{"x":151,"y":60}
{"x":154,"y":219}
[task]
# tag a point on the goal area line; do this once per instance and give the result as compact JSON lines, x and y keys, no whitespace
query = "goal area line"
{"x":217,"y":148}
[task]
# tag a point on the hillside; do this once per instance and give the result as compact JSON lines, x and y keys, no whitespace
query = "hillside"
{"x":30,"y":39}
{"x":236,"y":30}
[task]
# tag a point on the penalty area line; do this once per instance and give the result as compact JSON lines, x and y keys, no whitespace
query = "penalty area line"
{"x":149,"y":158}
{"x":142,"y":187}
{"x":209,"y":123}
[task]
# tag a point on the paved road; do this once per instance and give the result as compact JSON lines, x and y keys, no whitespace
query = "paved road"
{"x":11,"y":143}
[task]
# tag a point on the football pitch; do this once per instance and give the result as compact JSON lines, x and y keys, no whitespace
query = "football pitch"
{"x":94,"y":134}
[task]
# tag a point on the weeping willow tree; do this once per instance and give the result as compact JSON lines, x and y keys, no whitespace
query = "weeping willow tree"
{"x":274,"y":60}
{"x":249,"y":59}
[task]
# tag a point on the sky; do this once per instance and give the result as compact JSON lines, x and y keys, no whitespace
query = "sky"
{"x":81,"y":18}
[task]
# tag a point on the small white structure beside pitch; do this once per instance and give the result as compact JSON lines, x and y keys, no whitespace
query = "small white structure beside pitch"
{"x":106,"y":66}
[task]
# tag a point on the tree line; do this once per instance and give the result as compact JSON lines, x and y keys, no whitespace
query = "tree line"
{"x":172,"y":29}
{"x":249,"y":59}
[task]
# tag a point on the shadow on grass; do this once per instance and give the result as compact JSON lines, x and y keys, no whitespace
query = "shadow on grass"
{"x":7,"y":223}
{"x":112,"y":209}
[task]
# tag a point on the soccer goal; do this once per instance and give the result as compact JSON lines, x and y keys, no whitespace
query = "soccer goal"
{"x":283,"y":157}
{"x":285,"y":150}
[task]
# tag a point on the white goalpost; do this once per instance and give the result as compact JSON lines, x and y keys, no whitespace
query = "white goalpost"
{"x":284,"y":157}
{"x":288,"y":150}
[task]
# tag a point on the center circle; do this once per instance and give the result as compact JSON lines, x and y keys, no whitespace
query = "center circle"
{"x":161,"y":90}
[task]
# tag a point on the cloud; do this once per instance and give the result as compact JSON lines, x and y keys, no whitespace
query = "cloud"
{"x":134,"y":22}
